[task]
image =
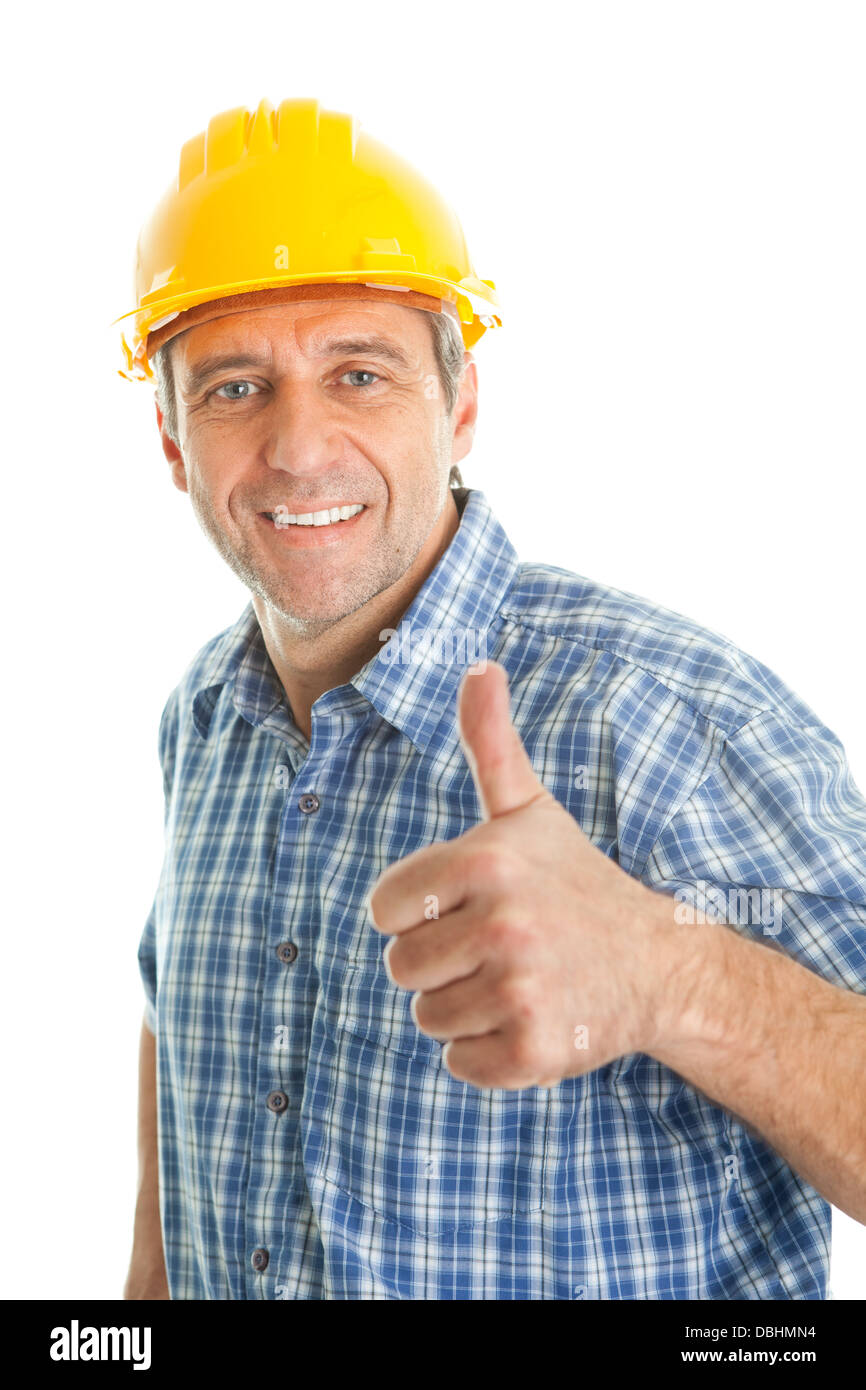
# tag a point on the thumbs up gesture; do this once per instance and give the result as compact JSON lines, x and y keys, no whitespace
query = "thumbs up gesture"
{"x":544,"y":960}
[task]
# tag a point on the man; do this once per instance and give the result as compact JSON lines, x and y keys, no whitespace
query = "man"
{"x":511,"y":935}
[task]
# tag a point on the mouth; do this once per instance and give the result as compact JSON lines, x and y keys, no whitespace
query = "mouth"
{"x":321,"y":526}
{"x":323,"y":516}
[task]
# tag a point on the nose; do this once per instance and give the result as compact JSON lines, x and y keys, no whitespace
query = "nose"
{"x":302,"y":437}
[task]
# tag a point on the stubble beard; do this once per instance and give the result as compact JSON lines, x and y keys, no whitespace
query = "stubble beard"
{"x":309,"y":613}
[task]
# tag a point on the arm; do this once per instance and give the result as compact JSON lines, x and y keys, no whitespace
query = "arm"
{"x":774,"y":1043}
{"x":147,"y":1278}
{"x":555,"y":961}
{"x":774,"y":1030}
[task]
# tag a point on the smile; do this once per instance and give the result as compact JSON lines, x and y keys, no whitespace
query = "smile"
{"x":321,"y":518}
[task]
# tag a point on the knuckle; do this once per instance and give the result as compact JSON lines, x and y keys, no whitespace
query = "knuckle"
{"x":520,"y":997}
{"x":504,"y":930}
{"x":521,"y":1057}
{"x":494,"y":866}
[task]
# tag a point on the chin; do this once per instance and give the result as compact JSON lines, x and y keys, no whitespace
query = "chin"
{"x":299,"y":611}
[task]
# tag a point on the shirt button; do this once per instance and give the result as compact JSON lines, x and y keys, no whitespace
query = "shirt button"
{"x":277,"y":1101}
{"x":287,"y":952}
{"x":308,"y":802}
{"x":260,"y":1259}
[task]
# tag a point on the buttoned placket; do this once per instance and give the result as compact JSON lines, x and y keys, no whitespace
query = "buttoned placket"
{"x":290,"y":983}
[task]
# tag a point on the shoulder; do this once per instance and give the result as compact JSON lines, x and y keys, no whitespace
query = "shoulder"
{"x":621,"y":637}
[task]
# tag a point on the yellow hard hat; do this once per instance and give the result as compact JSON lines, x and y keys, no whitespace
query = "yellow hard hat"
{"x":296,"y":197}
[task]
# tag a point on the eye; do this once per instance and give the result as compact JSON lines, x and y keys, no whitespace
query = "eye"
{"x":361,"y":371}
{"x":248,"y":386}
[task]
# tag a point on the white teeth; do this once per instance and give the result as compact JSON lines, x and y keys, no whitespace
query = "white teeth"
{"x":322,"y":518}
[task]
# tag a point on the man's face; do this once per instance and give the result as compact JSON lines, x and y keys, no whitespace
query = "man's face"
{"x":300,"y":408}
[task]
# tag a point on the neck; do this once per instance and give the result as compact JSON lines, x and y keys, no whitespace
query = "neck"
{"x":308,"y":666}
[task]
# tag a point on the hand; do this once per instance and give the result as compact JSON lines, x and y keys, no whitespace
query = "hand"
{"x":531,"y":954}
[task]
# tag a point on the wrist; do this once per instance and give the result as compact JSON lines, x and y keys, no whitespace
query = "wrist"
{"x":683,"y":963}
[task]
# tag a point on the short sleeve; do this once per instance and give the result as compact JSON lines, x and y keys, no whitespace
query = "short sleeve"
{"x":780,"y":814}
{"x":147,"y":968}
{"x":167,"y":743}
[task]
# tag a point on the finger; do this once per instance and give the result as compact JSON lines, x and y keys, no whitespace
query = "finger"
{"x":467,"y":1008}
{"x":436,"y":952}
{"x":427,"y":884}
{"x":504,"y":777}
{"x":495,"y":1060}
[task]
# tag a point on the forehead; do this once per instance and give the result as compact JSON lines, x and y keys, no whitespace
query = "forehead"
{"x":309,"y":328}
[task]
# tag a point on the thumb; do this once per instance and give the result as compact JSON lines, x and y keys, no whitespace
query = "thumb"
{"x":503,"y":775}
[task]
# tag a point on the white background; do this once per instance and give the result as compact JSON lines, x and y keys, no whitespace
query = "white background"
{"x":670,"y":198}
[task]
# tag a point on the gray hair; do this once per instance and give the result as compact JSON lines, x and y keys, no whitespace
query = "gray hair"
{"x":448,"y":350}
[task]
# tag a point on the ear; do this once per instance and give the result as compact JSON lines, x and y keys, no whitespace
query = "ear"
{"x":465,"y":411}
{"x":172,"y":453}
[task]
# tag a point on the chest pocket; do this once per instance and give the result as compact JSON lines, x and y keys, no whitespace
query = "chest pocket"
{"x":405,"y":1138}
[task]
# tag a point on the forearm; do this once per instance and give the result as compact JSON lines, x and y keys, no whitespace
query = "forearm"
{"x":775,"y":1044}
{"x":147,"y":1276}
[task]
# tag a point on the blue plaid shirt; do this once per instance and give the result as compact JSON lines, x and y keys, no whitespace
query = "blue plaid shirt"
{"x":312,"y":1143}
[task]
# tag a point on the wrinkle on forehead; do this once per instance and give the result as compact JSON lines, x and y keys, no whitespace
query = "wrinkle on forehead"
{"x":307,"y":329}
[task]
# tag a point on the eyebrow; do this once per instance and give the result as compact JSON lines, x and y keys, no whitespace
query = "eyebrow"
{"x":366,"y":346}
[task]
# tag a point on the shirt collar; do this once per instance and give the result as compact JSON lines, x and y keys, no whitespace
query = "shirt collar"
{"x":412,"y":680}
